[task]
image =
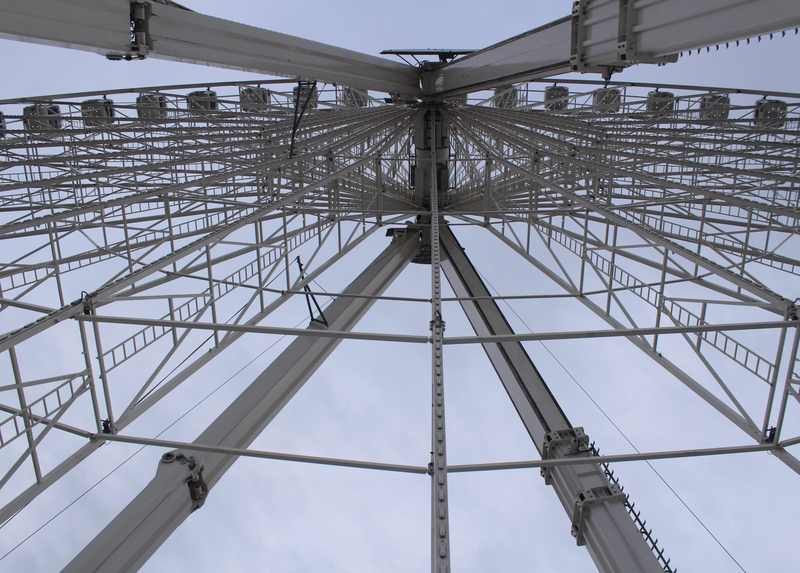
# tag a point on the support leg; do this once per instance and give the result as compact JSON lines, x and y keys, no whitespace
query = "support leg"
{"x":596,"y":507}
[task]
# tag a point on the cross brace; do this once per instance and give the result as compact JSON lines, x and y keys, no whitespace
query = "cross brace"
{"x":598,"y":36}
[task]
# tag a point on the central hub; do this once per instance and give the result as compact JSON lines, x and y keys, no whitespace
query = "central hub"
{"x":420,"y":169}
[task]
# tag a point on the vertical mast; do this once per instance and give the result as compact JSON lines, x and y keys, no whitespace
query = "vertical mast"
{"x":440,"y":531}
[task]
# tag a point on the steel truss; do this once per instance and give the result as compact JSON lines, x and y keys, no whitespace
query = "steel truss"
{"x":139,"y":247}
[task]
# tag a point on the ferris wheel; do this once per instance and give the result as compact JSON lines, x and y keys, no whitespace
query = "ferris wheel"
{"x":293,"y":274}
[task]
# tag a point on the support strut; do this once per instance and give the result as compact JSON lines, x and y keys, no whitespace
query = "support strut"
{"x":594,"y":505}
{"x":184,"y":478}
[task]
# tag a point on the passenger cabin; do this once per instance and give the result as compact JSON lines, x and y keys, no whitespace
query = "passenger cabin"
{"x":97,"y":112}
{"x":607,"y":100}
{"x":202,"y":101}
{"x":42,"y":117}
{"x":660,"y":103}
{"x":151,"y":106}
{"x":253,"y":100}
{"x":714,"y":107}
{"x":556,"y":98}
{"x":770,"y":113}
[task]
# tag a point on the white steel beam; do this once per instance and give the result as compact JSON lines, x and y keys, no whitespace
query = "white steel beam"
{"x":618,"y":458}
{"x":540,"y":53}
{"x":673,"y":26}
{"x":620,"y":32}
{"x":460,"y":468}
{"x":178,"y":34}
{"x":100,"y":26}
{"x":184,"y":478}
{"x":604,"y":35}
{"x":191,"y":37}
{"x":253,"y":329}
{"x":599,"y":517}
{"x":599,"y":36}
{"x":628,"y":332}
{"x":261,"y":454}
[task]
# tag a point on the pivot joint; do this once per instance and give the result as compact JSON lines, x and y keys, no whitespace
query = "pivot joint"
{"x":563,"y":443}
{"x":588,"y":498}
{"x":198,"y":489}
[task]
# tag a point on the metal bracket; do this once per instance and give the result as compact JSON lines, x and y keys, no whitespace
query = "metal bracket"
{"x":398,"y":234}
{"x":141,"y":42}
{"x":791,"y":312}
{"x":586,"y":499}
{"x":88,"y":302}
{"x":626,"y":45}
{"x":198,"y":489}
{"x":576,"y":55}
{"x":437,"y":322}
{"x":574,"y":441}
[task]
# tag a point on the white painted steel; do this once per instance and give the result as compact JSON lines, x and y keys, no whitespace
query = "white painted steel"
{"x":658,"y":28}
{"x":613,"y":34}
{"x":101,"y":26}
{"x":186,"y":36}
{"x":542,"y":52}
{"x":673,"y":26}
{"x":196,"y":447}
{"x":617,"y":458}
{"x":221,"y":327}
{"x":674,"y":229}
{"x":461,"y":468}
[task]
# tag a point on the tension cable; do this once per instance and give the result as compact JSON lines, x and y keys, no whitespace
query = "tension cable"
{"x":310,"y":298}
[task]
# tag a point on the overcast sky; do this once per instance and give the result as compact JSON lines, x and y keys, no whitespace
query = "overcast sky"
{"x":371,"y":400}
